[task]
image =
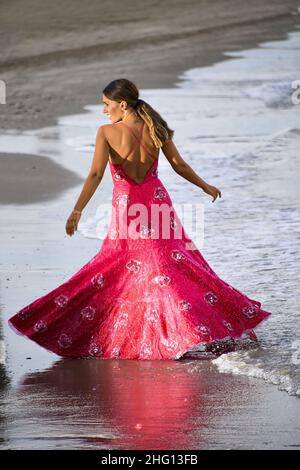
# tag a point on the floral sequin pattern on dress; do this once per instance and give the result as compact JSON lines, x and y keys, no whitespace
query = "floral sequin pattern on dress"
{"x":173,"y":223}
{"x":121,"y":320}
{"x":97,"y":281}
{"x":40,"y":326}
{"x":115,"y":351}
{"x":250,"y":311}
{"x":95,"y":348}
{"x":203,"y":330}
{"x":146,"y":232}
{"x":145,"y":351}
{"x":119,"y":175}
{"x":177,"y":255}
{"x":152,"y":315}
{"x":211,"y":298}
{"x":162,"y":280}
{"x":227,"y":325}
{"x":61,"y":300}
{"x":88,"y":312}
{"x":133,"y":265}
{"x":65,"y":341}
{"x":170,"y":344}
{"x":184,"y":305}
{"x":159,"y":194}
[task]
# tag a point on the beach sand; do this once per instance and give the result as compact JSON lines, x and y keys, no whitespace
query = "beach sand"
{"x":29,"y":178}
{"x":55,"y":60}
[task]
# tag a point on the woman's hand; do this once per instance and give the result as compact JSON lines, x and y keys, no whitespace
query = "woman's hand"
{"x":72,"y":222}
{"x":212,"y":191}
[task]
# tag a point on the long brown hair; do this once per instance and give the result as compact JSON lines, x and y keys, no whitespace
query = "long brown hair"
{"x":122,"y":89}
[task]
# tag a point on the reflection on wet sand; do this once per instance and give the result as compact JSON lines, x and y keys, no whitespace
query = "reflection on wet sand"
{"x":111,"y":404}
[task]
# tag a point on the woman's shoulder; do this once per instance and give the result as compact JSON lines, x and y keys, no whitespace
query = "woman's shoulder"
{"x":117,"y":128}
{"x":109,"y":130}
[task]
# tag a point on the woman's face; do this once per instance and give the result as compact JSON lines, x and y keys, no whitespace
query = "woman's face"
{"x":112,"y":109}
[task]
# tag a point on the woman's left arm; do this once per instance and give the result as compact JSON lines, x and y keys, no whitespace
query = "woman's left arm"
{"x":92,"y":181}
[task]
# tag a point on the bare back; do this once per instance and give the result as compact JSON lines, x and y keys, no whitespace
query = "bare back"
{"x":132,"y":148}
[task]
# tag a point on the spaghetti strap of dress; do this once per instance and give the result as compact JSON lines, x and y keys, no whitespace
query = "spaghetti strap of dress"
{"x":139,"y":138}
{"x":133,"y":133}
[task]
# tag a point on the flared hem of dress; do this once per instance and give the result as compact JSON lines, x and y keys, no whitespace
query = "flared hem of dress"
{"x":18,"y":332}
{"x":205,"y":349}
{"x":229,"y":343}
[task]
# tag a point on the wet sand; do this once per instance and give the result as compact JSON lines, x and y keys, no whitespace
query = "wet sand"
{"x":140,"y":405}
{"x":26,"y":179}
{"x":55,"y":62}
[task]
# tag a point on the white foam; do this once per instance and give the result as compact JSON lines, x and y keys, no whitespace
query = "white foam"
{"x":240,"y":363}
{"x":273,"y":93}
{"x":2,"y":352}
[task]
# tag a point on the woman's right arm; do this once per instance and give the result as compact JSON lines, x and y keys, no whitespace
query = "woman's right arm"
{"x":183,"y":169}
{"x":93,"y":179}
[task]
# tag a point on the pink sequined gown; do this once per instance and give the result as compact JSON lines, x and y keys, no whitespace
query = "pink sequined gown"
{"x":145,"y":297}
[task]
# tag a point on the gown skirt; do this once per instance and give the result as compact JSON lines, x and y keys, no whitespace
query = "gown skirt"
{"x":148,"y":293}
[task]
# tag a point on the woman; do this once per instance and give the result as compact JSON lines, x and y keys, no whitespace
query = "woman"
{"x":148,"y":293}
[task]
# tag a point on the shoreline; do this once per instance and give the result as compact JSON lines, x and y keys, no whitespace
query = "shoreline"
{"x":54,"y":64}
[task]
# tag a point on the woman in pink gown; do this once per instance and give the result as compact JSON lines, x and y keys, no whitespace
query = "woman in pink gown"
{"x":148,"y":293}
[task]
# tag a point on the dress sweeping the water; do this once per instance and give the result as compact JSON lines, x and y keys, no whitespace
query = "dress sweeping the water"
{"x":148,"y":296}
